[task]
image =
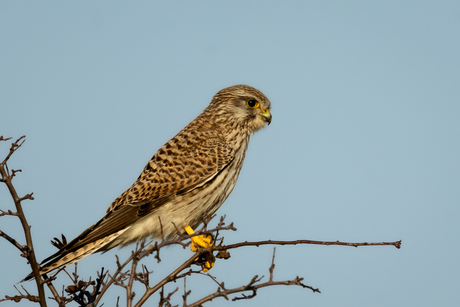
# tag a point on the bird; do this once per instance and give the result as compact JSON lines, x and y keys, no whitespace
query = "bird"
{"x":185,"y":181}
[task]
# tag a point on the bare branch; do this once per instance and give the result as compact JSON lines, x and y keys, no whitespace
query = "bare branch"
{"x":14,"y":146}
{"x":9,"y":212}
{"x":253,"y":286}
{"x":3,"y":139}
{"x":129,"y":288}
{"x":53,"y":290}
{"x":29,"y":253}
{"x":18,"y":298}
{"x":13,"y":241}
{"x":272,"y":267}
{"x":166,"y":300}
{"x":171,"y":277}
{"x":186,"y":293}
{"x":396,"y":244}
{"x":27,"y":196}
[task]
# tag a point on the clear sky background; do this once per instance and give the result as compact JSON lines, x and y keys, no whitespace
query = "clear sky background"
{"x":363,"y":146}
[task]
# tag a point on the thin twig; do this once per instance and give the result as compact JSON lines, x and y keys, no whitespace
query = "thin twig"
{"x":18,"y":298}
{"x":9,"y":212}
{"x":3,"y":139}
{"x":129,"y":288}
{"x":12,"y":241}
{"x":396,"y":244}
{"x":14,"y":146}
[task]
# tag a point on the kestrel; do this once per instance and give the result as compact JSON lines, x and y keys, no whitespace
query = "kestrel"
{"x":187,"y":180}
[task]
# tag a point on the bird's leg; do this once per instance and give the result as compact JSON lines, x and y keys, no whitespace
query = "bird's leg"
{"x":203,"y":241}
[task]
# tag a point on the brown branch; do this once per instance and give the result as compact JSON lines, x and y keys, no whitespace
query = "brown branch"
{"x":3,"y":139}
{"x":9,"y":212}
{"x":27,"y":196}
{"x":14,"y":146}
{"x":253,"y":286}
{"x":140,"y":253}
{"x":18,"y":298}
{"x":129,"y":288}
{"x":30,"y":254}
{"x":186,"y":293}
{"x":13,"y":241}
{"x":175,"y":274}
{"x":396,"y":244}
{"x":115,"y":279}
{"x":144,"y":277}
{"x":166,"y":300}
{"x":53,"y":290}
{"x":171,"y":277}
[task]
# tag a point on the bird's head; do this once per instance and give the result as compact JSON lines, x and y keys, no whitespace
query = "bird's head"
{"x":242,"y":105}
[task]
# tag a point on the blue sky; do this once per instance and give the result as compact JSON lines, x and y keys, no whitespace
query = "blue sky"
{"x":363,"y":146}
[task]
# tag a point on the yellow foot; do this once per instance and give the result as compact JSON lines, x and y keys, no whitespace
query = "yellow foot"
{"x":206,"y":260}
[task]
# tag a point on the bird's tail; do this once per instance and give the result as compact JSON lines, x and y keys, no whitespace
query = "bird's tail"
{"x":68,"y":255}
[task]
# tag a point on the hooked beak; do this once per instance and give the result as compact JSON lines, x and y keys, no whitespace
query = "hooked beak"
{"x":266,"y":115}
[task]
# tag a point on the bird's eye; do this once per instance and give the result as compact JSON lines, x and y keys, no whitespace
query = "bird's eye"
{"x":252,"y":103}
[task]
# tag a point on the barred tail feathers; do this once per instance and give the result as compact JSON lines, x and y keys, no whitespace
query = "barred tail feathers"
{"x":65,"y":258}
